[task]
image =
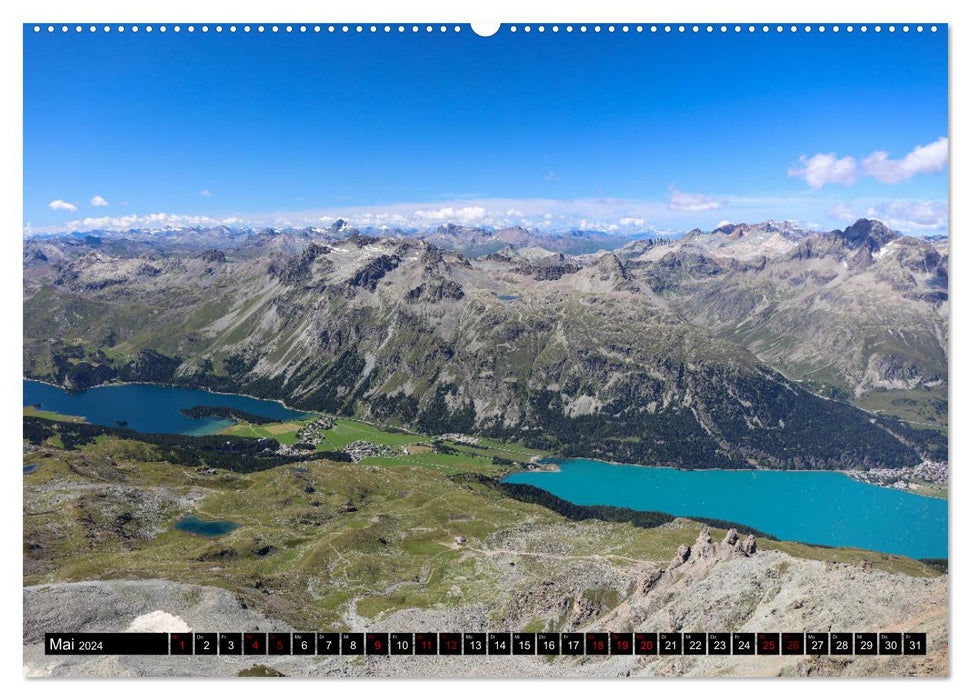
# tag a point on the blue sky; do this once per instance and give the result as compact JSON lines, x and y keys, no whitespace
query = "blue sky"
{"x":581,"y":130}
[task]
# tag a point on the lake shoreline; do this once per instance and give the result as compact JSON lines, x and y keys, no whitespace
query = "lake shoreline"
{"x":169,"y":386}
{"x":306,"y":412}
{"x":148,"y":407}
{"x":854,"y":474}
{"x":816,"y":507}
{"x":545,"y":464}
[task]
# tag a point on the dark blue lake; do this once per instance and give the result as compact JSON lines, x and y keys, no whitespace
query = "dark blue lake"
{"x":148,"y":408}
{"x":205,"y":528}
{"x":815,"y":507}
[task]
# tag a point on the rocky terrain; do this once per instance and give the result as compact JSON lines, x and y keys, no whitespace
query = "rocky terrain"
{"x":711,"y":350}
{"x":860,"y":314}
{"x":729,"y":586}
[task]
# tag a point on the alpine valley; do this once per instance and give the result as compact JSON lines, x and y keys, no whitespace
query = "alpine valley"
{"x":761,"y":346}
{"x":420,"y":370}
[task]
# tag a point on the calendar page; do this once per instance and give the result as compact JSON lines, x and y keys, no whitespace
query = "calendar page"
{"x":543,"y":350}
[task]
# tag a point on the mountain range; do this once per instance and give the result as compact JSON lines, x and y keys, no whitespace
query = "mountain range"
{"x":749,"y":345}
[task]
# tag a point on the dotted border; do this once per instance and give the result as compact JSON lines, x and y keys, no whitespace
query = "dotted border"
{"x":505,"y":28}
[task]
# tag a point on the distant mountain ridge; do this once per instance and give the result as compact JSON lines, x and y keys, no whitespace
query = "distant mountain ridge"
{"x":471,"y":241}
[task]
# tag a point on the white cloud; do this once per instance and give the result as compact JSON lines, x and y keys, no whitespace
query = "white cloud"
{"x":906,"y":215}
{"x":205,"y":193}
{"x":923,"y":159}
{"x":159,"y":220}
{"x":369,"y":218}
{"x":688,"y":201}
{"x":844,"y":212}
{"x":551,"y":176}
{"x":99,"y":201}
{"x":61,"y":205}
{"x":825,"y":168}
{"x":676,"y":211}
{"x":463,"y":214}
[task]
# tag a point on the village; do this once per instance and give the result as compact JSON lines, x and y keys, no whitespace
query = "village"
{"x":313,"y":433}
{"x":906,"y":479}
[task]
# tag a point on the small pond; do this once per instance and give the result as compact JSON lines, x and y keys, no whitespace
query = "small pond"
{"x":205,"y":528}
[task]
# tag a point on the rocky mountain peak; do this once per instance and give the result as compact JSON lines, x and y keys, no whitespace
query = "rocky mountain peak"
{"x":610,"y":268}
{"x":213,"y":256}
{"x":361,"y":241}
{"x":34,"y":254}
{"x":787,"y":229}
{"x":341,"y":226}
{"x":867,"y":233}
{"x":451,"y":229}
{"x":506,"y":254}
{"x":733,"y":231}
{"x":611,"y":263}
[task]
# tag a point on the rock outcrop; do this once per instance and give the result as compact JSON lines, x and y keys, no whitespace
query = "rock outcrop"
{"x":683,"y":554}
{"x":703,"y":548}
{"x":748,"y":546}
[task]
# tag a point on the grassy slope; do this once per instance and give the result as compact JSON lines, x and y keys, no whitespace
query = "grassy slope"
{"x":922,"y":407}
{"x":477,"y":459}
{"x":51,"y":415}
{"x":379,"y":535}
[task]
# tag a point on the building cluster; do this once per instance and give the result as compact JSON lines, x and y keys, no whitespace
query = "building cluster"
{"x":361,"y":449}
{"x":290,"y":451}
{"x":460,"y":438}
{"x":905,"y":479}
{"x":313,"y":433}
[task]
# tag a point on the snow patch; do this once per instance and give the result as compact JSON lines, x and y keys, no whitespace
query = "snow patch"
{"x":158,"y":621}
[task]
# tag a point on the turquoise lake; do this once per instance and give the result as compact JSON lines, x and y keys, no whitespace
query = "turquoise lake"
{"x":148,"y":408}
{"x":825,"y":508}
